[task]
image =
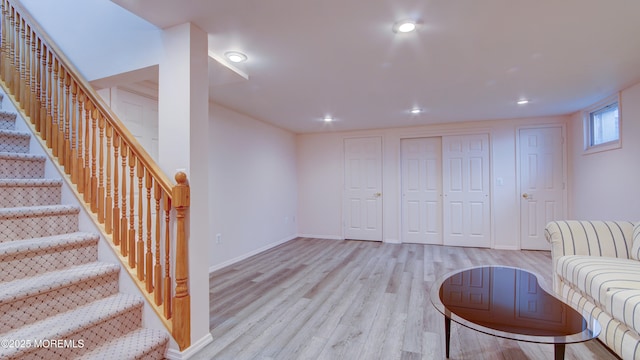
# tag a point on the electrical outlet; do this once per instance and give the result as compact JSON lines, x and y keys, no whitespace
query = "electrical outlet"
{"x":218,"y":238}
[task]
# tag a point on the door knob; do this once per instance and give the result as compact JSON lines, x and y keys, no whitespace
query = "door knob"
{"x":526,"y":196}
{"x":378,"y":194}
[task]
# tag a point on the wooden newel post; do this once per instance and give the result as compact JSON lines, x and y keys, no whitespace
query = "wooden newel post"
{"x":182,"y":301}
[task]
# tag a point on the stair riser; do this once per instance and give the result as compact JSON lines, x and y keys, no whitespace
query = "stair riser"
{"x":7,"y":124}
{"x":12,"y":229}
{"x":16,"y":144}
{"x":143,"y":344}
{"x":28,"y":310}
{"x":157,"y":353}
{"x":22,"y":265}
{"x":13,"y":196}
{"x":7,"y":121}
{"x":91,"y":337}
{"x":21,"y":169}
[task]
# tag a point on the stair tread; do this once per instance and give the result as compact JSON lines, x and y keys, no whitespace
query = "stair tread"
{"x":26,"y":211}
{"x":15,"y":133}
{"x":130,"y":346}
{"x":62,"y":325}
{"x":26,"y":245}
{"x":22,"y":288}
{"x":21,"y":156}
{"x":30,"y":182}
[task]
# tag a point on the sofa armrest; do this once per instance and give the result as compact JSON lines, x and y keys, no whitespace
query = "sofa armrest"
{"x":595,"y":238}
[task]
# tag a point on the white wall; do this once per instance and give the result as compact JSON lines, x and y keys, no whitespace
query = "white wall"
{"x":320,"y":180}
{"x":99,"y":37}
{"x":605,"y":185}
{"x":321,"y":171}
{"x":253,"y":185}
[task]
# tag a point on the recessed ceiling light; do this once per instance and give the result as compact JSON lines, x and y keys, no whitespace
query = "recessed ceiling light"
{"x":404,"y":26}
{"x":416,"y":111}
{"x":328,"y":118}
{"x":236,"y":57}
{"x":522,"y":102}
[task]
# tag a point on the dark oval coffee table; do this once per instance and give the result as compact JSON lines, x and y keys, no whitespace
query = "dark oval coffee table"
{"x":510,"y":303}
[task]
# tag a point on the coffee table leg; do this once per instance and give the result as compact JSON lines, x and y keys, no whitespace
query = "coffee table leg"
{"x":447,"y":334}
{"x":558,"y":351}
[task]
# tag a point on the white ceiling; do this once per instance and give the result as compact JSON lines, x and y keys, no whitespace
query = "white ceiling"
{"x":468,"y":60}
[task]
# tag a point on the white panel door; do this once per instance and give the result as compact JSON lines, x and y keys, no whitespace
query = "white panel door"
{"x":422,"y":190}
{"x":363,"y":188}
{"x":140,"y":115}
{"x":466,"y":205}
{"x":542,"y":183}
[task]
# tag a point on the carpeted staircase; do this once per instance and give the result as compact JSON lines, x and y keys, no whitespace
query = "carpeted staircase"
{"x":54,"y":292}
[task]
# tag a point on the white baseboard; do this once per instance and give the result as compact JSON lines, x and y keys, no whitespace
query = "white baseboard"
{"x":173,"y":354}
{"x":316,"y":236}
{"x":392,"y":241}
{"x":506,"y":247}
{"x":250,"y":254}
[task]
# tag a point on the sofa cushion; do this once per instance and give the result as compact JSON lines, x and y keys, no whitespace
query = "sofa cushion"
{"x":635,"y":249}
{"x":593,"y":276}
{"x":624,"y":306}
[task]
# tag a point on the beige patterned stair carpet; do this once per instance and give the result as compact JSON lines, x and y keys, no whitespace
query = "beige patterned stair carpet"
{"x":57,"y":301}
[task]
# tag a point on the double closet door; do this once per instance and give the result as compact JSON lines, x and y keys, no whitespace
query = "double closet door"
{"x":445,"y":190}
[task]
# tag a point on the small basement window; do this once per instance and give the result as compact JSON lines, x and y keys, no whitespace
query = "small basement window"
{"x":602,"y":126}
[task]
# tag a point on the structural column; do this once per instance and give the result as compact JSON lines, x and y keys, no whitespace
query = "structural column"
{"x":183,"y":122}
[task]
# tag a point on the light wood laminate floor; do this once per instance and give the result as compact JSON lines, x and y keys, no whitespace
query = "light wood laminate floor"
{"x":328,"y":299}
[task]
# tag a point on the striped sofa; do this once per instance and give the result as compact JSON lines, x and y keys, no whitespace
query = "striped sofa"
{"x":596,"y":269}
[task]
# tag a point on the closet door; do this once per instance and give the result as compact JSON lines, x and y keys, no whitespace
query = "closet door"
{"x":422,"y":190}
{"x":363,"y":188}
{"x":466,"y":205}
{"x":542,"y":183}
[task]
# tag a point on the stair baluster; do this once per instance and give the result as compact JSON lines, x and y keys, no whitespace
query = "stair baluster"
{"x":167,"y":256}
{"x":41,"y":87}
{"x":26,"y":43}
{"x":14,"y":64}
{"x":86,"y":171}
{"x":116,"y":199}
{"x":109,"y":199}
{"x":124,"y":245}
{"x":80,"y":148}
{"x":149,"y":254}
{"x":140,"y":243}
{"x":93,"y":197}
{"x":131,"y":235}
{"x":35,"y":66}
{"x":157,"y":269}
{"x":67,"y":123}
{"x":55,"y":130}
{"x":100,"y":198}
{"x":49,"y":118}
{"x":73,"y":159}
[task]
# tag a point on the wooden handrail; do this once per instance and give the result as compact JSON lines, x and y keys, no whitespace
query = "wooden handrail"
{"x":95,"y":99}
{"x":90,"y":144}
